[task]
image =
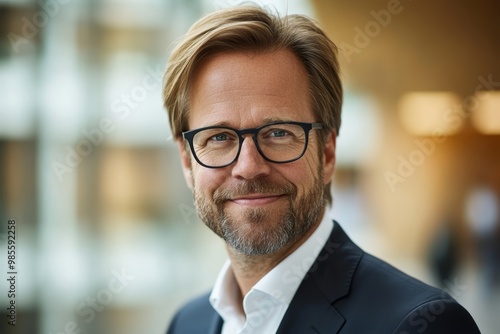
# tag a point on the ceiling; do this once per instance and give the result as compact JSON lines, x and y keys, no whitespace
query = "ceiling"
{"x":422,"y":46}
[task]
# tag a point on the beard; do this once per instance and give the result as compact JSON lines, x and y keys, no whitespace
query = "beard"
{"x":260,"y":231}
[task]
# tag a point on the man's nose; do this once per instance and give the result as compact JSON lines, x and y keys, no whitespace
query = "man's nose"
{"x":250,"y":163}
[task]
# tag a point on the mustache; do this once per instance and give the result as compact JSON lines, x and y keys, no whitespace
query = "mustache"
{"x":260,"y":186}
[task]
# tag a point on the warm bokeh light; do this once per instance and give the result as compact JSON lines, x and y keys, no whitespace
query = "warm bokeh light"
{"x":486,"y":115}
{"x":428,"y":113}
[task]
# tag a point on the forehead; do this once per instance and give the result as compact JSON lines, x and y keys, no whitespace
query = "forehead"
{"x":246,"y":89}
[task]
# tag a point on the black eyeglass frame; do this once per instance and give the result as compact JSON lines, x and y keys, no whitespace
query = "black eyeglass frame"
{"x":307,"y":127}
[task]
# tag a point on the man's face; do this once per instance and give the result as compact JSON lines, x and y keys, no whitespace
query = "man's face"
{"x":256,"y":206}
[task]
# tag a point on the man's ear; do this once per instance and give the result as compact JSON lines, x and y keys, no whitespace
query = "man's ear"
{"x":329,"y":157}
{"x":185,"y":162}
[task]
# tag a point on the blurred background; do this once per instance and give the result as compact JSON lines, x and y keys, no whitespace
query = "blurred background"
{"x":107,"y":236}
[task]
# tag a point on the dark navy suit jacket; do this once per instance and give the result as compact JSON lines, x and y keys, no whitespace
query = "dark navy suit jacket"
{"x":348,"y":291}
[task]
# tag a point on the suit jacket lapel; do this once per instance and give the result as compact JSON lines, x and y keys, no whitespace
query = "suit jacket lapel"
{"x":311,"y":309}
{"x":310,"y":312}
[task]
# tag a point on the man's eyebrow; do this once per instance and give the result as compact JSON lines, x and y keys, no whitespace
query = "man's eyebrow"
{"x":276,"y":119}
{"x":265,"y":121}
{"x":222,"y":123}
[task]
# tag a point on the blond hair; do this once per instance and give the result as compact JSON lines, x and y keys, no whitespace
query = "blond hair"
{"x":253,"y":29}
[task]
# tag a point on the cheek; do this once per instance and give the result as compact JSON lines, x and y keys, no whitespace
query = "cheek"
{"x":206,"y":180}
{"x":311,"y":163}
{"x":302,"y":173}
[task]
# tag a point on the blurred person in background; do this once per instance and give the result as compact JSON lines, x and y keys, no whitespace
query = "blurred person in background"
{"x":482,"y":214}
{"x":254,"y":103}
{"x":444,"y":252}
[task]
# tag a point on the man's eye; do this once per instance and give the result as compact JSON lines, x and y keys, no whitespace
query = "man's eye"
{"x":278,"y":133}
{"x":219,"y":137}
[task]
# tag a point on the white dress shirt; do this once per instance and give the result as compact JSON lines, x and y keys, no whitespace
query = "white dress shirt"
{"x":266,"y":303}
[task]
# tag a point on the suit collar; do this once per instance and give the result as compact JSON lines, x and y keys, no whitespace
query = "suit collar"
{"x":215,"y":326}
{"x":328,"y":280}
{"x":334,"y":268}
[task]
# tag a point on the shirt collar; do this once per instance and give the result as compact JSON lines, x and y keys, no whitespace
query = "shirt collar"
{"x":281,"y":282}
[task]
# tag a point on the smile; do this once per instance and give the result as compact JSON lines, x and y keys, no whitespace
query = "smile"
{"x":256,"y":199}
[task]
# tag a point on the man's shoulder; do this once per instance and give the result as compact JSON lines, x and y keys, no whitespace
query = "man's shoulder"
{"x":194,"y":317}
{"x":383,"y":296}
{"x":387,"y":296}
{"x":370,"y":275}
{"x":381,"y":274}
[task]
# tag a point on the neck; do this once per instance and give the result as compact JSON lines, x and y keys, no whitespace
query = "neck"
{"x":249,"y":269}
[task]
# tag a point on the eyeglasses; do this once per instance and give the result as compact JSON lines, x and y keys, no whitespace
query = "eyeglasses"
{"x":278,"y":142}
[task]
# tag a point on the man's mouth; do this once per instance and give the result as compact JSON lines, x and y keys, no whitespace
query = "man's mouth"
{"x":255,"y":199}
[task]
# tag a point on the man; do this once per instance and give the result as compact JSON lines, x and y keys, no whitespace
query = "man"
{"x":254,"y":102}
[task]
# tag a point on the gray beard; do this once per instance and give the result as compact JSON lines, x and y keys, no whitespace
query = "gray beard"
{"x":294,"y":222}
